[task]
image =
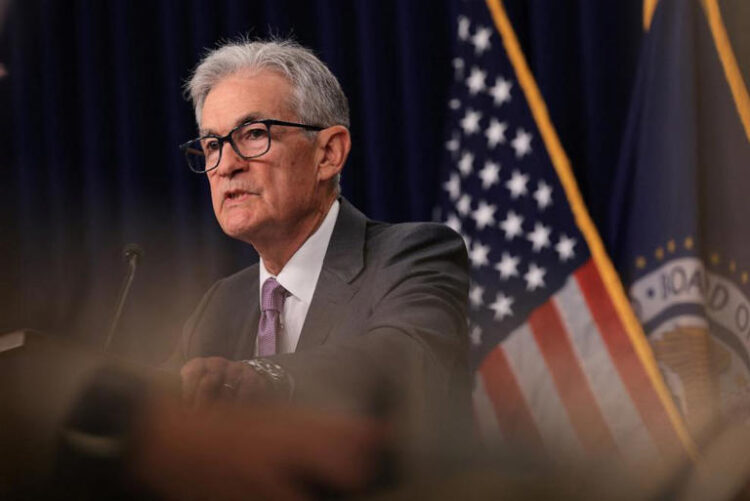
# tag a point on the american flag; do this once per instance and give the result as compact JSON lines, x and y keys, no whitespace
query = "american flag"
{"x":561,"y":364}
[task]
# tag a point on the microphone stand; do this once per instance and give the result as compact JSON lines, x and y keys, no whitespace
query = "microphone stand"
{"x":132,"y":253}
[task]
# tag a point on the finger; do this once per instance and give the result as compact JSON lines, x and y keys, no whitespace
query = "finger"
{"x":191,"y":374}
{"x":212,"y":365}
{"x":232,"y":379}
{"x":208,"y":389}
{"x":228,"y":391}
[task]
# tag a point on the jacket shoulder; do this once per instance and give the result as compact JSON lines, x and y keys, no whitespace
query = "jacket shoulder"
{"x":239,"y":278}
{"x":393,"y":238}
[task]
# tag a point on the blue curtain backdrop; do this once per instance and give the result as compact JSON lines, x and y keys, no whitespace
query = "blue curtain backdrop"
{"x":92,"y":112}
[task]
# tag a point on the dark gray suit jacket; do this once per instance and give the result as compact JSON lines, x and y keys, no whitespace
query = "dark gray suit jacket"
{"x":388,"y":318}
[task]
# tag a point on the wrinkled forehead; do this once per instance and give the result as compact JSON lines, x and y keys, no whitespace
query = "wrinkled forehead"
{"x":247,"y":95}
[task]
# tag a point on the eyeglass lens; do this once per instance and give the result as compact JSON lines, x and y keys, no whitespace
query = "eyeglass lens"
{"x":249,"y":140}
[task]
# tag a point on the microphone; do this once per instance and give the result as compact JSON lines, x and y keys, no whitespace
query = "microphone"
{"x":132,"y":253}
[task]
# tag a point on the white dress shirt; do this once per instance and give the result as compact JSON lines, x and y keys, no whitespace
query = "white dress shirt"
{"x":300,"y":276}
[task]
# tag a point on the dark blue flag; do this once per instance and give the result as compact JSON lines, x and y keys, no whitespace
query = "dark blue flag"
{"x":680,"y":236}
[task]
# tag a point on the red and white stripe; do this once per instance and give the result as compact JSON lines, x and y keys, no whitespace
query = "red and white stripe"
{"x":569,"y":381}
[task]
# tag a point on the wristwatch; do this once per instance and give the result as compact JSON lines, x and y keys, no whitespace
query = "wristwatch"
{"x":281,"y":381}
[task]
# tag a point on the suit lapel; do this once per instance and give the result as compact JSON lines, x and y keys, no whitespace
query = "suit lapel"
{"x":245,"y":344}
{"x":344,"y":260}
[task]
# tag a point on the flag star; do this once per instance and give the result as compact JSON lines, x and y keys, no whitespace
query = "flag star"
{"x":495,"y":133}
{"x":481,"y":40}
{"x":502,"y":306}
{"x":484,"y":215}
{"x":517,"y":184}
{"x":466,"y":163}
{"x":521,"y":143}
{"x":463,"y":206}
{"x":475,"y":82}
{"x":453,"y":223}
{"x":500,"y":92}
{"x":463,"y":27}
{"x":470,"y":122}
{"x":543,"y":195}
{"x":512,"y":225}
{"x":476,"y":335}
{"x":458,"y":68}
{"x":564,"y":247}
{"x":476,"y":293}
{"x":454,"y":104}
{"x":539,"y":238}
{"x":490,"y":174}
{"x":453,"y":186}
{"x":508,"y":266}
{"x":534,"y":277}
{"x":478,"y":255}
{"x":453,"y":143}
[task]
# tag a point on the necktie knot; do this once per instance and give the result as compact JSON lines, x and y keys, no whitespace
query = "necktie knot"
{"x":272,"y":296}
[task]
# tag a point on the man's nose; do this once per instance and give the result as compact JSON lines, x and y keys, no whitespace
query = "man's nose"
{"x":230,"y":162}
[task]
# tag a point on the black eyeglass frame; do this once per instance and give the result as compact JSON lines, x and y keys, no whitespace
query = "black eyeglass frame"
{"x":228,"y":138}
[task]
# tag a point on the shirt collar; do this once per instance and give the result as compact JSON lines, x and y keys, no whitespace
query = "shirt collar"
{"x":300,"y":274}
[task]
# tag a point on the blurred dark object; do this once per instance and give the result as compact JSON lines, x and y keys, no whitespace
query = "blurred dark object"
{"x":94,"y":440}
{"x":39,"y":377}
{"x":47,"y":386}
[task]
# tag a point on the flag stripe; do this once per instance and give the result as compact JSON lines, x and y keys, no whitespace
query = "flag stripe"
{"x":512,"y":412}
{"x":628,"y":364}
{"x":484,"y":414}
{"x":538,"y":387}
{"x":618,"y":409}
{"x":571,"y":383}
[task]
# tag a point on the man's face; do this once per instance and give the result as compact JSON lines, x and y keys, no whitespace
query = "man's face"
{"x":271,"y":195}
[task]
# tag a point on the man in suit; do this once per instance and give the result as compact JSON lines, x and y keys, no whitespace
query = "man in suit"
{"x":341,"y":311}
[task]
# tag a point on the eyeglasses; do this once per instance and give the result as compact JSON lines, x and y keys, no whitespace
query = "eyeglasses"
{"x":249,"y":140}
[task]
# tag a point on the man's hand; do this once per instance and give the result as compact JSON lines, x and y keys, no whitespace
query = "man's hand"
{"x":205,"y":380}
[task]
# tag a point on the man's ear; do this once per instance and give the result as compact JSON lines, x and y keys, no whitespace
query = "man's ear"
{"x":334,"y":144}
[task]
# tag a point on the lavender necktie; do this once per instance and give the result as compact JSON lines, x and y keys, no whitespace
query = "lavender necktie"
{"x":271,"y":305}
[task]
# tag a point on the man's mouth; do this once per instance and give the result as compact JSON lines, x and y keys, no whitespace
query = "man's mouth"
{"x":237,"y":195}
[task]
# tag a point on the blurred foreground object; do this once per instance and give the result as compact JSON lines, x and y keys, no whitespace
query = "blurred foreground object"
{"x":78,"y":425}
{"x":45,"y":388}
{"x":272,"y":452}
{"x":563,"y":368}
{"x":679,"y":234}
{"x":40,"y":377}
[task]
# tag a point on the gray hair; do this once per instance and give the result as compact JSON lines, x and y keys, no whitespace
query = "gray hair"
{"x":316,"y":98}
